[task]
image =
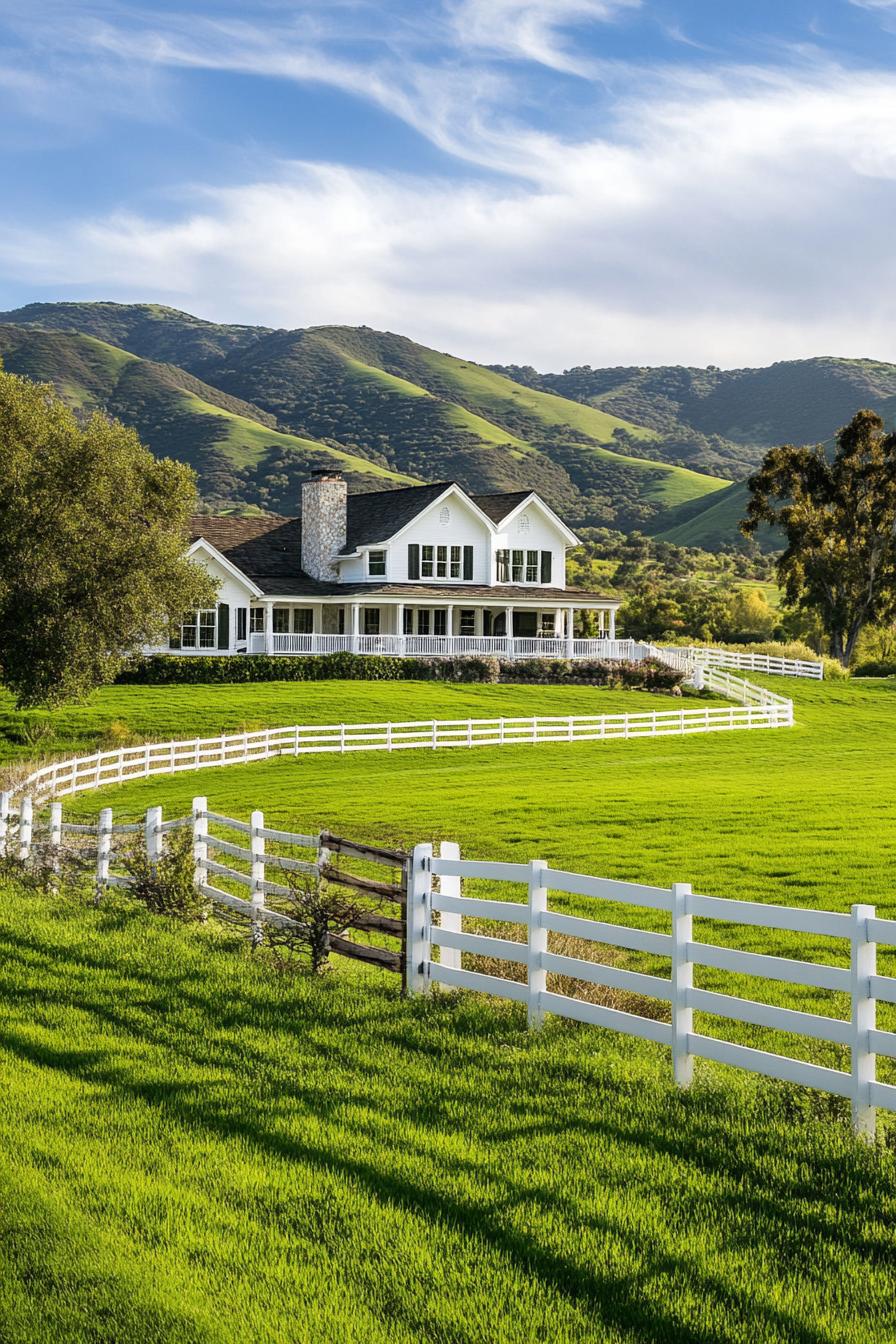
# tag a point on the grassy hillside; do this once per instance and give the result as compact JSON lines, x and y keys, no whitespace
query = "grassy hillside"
{"x":725,"y":419}
{"x":238,"y":453}
{"x":386,"y":399}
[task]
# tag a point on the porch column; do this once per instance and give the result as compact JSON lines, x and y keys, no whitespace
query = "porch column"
{"x":569,"y":632}
{"x":449,"y":619}
{"x":508,"y":620}
{"x":478,"y":613}
{"x":356,"y":625}
{"x":612,"y":624}
{"x":269,"y":627}
{"x":558,"y":622}
{"x":601,"y":623}
{"x":399,"y":619}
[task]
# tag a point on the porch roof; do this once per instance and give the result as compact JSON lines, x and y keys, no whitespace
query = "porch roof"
{"x":423,"y":594}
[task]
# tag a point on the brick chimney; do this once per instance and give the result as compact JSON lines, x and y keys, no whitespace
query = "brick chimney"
{"x":324,"y":503}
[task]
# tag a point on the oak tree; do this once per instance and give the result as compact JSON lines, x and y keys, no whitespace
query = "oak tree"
{"x":838,"y":516}
{"x":92,"y":554}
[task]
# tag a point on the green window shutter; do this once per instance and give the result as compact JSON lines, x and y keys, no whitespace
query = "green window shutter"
{"x":468,"y":562}
{"x":223,"y":625}
{"x":546,"y":566}
{"x":413,"y":562}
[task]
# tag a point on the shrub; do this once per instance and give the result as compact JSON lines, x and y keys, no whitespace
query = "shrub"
{"x":320,"y":909}
{"x":163,"y":669}
{"x":650,"y":674}
{"x":166,"y":886}
{"x":878,"y":668}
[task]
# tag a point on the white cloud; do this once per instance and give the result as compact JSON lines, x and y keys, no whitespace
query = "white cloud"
{"x":741,"y":220}
{"x":532,"y":29}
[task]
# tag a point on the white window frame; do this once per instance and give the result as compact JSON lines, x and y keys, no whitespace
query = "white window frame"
{"x":203,"y":629}
{"x":376,"y":564}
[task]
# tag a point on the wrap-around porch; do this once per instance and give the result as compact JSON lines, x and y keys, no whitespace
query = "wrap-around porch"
{"x":430,"y":627}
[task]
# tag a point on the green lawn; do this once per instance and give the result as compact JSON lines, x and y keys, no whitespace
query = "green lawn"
{"x":113,"y":714}
{"x":199,"y":1149}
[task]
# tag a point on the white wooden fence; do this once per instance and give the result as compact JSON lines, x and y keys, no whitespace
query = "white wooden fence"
{"x":759,"y":708}
{"x":434,"y":906}
{"x":755,"y":662}
{"x":436,"y":911}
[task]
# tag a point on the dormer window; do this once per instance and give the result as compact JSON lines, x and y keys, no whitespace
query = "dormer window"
{"x":376,"y":564}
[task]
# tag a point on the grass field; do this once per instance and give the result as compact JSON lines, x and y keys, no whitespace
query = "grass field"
{"x":200,"y":1148}
{"x":160,"y":712}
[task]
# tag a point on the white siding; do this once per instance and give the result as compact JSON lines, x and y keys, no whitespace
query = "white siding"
{"x":533,"y":530}
{"x":464,"y":528}
{"x":231,"y":591}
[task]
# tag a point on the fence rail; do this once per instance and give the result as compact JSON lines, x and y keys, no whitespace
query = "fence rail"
{"x":432,"y":905}
{"x":98,"y":847}
{"x":758,"y":708}
{"x":441,"y":646}
{"x":437,"y":911}
{"x":755,"y":662}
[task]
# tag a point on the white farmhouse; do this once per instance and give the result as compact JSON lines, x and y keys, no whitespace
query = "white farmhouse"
{"x":425,"y":570}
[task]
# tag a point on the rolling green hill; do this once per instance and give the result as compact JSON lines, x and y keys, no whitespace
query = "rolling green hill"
{"x":723,"y":420}
{"x":238,"y":453}
{"x":379,"y":398}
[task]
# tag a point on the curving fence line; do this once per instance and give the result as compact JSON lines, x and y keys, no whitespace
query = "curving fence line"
{"x":756,"y":708}
{"x":754,"y":662}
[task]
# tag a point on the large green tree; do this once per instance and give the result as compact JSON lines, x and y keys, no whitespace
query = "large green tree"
{"x":838,"y":516}
{"x":92,"y":556}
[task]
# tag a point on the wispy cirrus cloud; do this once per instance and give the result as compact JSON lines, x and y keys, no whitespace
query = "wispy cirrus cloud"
{"x":682,"y":212}
{"x":743,"y":219}
{"x":534,"y":30}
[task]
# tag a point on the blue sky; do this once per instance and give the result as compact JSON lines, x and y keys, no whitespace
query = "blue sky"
{"x":540,"y":181}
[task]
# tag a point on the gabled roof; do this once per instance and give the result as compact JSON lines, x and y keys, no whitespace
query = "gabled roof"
{"x":377,"y":516}
{"x":268,"y":550}
{"x":499,"y":506}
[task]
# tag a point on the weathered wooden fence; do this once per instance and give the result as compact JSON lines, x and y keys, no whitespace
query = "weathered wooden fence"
{"x":242,"y":857}
{"x":426,"y":890}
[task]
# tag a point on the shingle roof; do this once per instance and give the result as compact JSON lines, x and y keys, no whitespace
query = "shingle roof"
{"x":377,"y":516}
{"x":497,"y":507}
{"x":268,"y":550}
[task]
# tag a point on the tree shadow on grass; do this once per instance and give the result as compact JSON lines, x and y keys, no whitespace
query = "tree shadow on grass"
{"x":618,"y":1301}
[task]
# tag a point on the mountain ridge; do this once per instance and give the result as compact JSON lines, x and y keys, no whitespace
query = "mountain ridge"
{"x":406,"y":410}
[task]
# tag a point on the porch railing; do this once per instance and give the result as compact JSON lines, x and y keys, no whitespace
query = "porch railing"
{"x":446,"y":645}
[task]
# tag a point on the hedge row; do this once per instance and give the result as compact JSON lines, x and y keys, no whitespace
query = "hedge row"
{"x":164,"y":670}
{"x":875,"y":668}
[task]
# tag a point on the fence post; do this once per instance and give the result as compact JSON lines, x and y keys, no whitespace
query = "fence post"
{"x":4,"y":821}
{"x":682,"y":981}
{"x":103,"y":852}
{"x":55,"y":835}
{"x":419,"y":915}
{"x":26,"y":823}
{"x":863,"y":965}
{"x":537,"y":939}
{"x":257,"y":846}
{"x":450,"y":920}
{"x":152,"y":833}
{"x":200,"y":841}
